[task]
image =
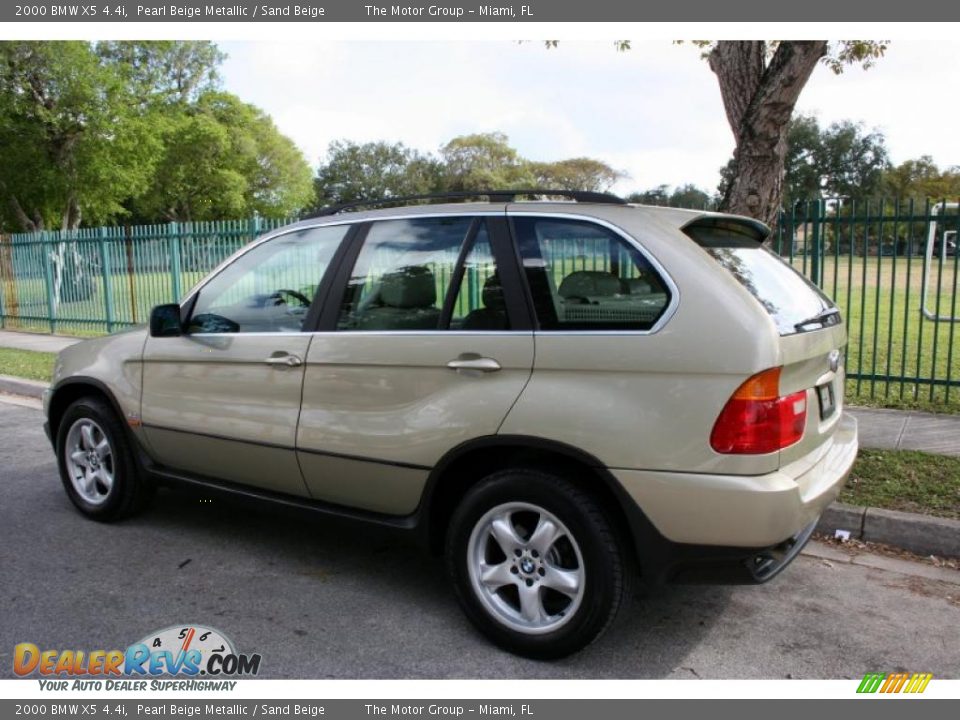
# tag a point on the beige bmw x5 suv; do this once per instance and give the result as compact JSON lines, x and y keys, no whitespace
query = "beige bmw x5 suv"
{"x":559,"y":396}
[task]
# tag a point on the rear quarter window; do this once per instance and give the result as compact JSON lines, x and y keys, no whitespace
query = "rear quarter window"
{"x":793,"y":302}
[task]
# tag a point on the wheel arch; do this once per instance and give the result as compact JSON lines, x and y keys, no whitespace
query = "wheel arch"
{"x":468,"y":463}
{"x":68,"y":391}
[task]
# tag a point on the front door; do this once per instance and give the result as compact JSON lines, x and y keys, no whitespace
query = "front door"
{"x":223,"y":399}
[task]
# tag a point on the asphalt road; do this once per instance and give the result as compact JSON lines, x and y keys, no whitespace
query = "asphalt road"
{"x":319,"y":601}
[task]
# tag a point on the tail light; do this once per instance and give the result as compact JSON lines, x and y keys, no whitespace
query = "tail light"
{"x":757,"y":419}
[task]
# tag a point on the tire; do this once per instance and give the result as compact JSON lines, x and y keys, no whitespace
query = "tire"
{"x":96,"y":462}
{"x":538,"y":591}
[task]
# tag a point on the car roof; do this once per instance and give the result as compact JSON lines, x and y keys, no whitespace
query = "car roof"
{"x":662,"y":216}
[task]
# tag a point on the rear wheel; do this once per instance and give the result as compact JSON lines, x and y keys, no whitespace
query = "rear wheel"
{"x":535,"y":562}
{"x":96,"y":462}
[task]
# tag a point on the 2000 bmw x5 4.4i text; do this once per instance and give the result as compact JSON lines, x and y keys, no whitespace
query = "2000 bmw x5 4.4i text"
{"x":560,"y":396}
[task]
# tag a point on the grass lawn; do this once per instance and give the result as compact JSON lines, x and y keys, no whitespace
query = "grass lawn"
{"x":881,"y":300}
{"x":27,"y":364}
{"x":905,"y":480}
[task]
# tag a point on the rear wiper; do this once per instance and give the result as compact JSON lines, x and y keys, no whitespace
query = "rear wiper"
{"x":825,"y":318}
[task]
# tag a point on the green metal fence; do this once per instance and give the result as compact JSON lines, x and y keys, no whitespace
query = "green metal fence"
{"x":97,"y":280}
{"x":891,"y":267}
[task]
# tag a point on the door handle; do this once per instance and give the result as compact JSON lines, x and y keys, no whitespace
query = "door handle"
{"x":284,"y":360}
{"x":471,"y":361}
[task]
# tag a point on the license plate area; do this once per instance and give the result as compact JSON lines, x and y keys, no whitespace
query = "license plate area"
{"x":828,"y":403}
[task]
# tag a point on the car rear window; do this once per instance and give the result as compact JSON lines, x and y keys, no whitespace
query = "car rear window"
{"x":793,"y":302}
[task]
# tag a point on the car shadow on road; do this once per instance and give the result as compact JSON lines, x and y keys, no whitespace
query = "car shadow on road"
{"x":390,"y":577}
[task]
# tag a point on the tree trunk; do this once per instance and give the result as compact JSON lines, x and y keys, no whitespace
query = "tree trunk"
{"x":70,"y":220}
{"x":759,"y":99}
{"x":26,"y":223}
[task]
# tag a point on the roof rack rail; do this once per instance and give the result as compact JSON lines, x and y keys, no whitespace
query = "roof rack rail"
{"x":491,"y":195}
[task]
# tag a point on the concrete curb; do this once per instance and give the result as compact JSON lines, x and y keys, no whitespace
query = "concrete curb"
{"x":20,"y":386}
{"x":920,"y":534}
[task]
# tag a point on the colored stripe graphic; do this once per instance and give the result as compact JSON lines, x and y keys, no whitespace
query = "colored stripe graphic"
{"x":894,"y":682}
{"x":871,"y":682}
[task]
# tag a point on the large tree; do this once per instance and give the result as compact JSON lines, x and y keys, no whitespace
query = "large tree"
{"x":165,"y":71}
{"x":74,"y":144}
{"x":581,"y":173}
{"x":760,"y":83}
{"x":483,"y":161}
{"x":682,"y":196}
{"x":922,"y":179}
{"x":357,"y":171}
{"x":225,"y":158}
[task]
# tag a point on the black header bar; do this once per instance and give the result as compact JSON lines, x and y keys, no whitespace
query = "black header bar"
{"x":505,"y":11}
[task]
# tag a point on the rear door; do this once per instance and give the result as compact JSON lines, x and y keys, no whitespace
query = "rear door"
{"x":812,"y":334}
{"x":222,"y":400}
{"x":422,"y":346}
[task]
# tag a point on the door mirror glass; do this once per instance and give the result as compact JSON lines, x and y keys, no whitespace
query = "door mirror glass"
{"x":165,"y":321}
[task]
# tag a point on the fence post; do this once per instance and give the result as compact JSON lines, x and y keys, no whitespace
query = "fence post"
{"x":3,"y":284}
{"x":106,"y":269}
{"x":816,"y":255}
{"x":48,"y":276}
{"x":254,"y":227}
{"x":175,"y":260}
{"x":131,"y":259}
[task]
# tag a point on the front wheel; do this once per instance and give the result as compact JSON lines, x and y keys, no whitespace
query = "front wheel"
{"x":96,"y":462}
{"x":535,"y":562}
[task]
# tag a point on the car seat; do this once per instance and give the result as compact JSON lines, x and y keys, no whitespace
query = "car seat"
{"x":407,"y":302}
{"x":493,"y":314}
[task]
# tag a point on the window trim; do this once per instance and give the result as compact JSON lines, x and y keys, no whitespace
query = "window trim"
{"x":665,"y":317}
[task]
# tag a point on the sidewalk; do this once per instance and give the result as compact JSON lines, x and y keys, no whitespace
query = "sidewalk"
{"x":35,"y":341}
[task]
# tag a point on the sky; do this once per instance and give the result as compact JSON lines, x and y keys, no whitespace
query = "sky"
{"x":653,"y":112}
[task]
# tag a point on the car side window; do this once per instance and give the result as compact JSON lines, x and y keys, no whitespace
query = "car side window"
{"x":403,"y":273}
{"x":270,"y":288}
{"x":583,"y":276}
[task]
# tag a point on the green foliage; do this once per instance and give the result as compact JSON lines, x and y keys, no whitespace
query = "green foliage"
{"x":575,"y":174}
{"x":93,"y":133}
{"x":851,"y":162}
{"x":922,"y":179}
{"x":485,"y":161}
{"x":683,"y":196}
{"x":354,"y":171}
{"x":225,"y":158}
{"x":75,"y":146}
{"x":165,"y":70}
{"x":854,"y":52}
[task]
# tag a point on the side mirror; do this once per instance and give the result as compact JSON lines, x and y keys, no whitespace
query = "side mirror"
{"x":165,"y":321}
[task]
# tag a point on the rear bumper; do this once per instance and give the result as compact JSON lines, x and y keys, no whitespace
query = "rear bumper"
{"x":726,"y":528}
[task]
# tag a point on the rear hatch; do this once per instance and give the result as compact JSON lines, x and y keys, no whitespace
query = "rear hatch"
{"x":811,"y":330}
